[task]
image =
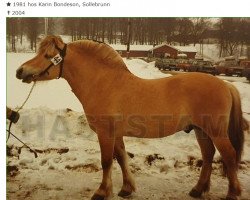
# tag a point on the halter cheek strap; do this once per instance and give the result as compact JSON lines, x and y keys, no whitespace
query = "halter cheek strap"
{"x":62,"y":54}
{"x":59,"y":58}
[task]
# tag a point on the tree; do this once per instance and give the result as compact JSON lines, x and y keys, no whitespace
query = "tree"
{"x":70,"y":25}
{"x":231,"y":35}
{"x":198,"y":29}
{"x":244,"y":33}
{"x":32,"y":29}
{"x":184,"y":30}
{"x":12,"y":29}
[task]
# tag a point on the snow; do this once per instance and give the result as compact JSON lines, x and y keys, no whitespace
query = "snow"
{"x":120,"y":47}
{"x":186,"y":48}
{"x":210,"y":51}
{"x":143,"y":69}
{"x":49,"y":93}
{"x":68,"y":165}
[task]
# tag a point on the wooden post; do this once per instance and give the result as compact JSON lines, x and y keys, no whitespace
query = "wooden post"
{"x":128,"y":37}
{"x":46,"y":25}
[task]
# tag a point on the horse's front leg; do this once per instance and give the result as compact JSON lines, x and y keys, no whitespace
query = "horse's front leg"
{"x":128,"y":182}
{"x":107,"y":148}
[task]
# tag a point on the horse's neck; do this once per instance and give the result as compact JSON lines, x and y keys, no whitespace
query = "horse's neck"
{"x":93,"y":80}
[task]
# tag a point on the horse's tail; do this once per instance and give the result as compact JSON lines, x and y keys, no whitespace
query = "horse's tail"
{"x":237,"y":124}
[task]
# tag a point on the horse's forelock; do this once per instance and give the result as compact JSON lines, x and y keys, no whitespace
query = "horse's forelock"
{"x":47,"y":46}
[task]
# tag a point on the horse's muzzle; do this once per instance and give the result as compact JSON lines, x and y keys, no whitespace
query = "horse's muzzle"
{"x":19,"y":73}
{"x":25,"y":77}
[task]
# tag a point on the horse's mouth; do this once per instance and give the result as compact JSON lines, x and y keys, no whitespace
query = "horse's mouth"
{"x":29,"y":78}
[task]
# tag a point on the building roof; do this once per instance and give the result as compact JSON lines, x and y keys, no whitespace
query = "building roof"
{"x":178,"y":48}
{"x":186,"y":48}
{"x":120,"y":47}
{"x":160,"y":45}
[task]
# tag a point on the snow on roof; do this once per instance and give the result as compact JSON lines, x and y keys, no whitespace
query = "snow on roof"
{"x":160,"y":45}
{"x":178,"y":48}
{"x":120,"y":47}
{"x":186,"y":48}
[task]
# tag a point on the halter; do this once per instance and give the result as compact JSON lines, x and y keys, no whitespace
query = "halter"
{"x":59,"y":58}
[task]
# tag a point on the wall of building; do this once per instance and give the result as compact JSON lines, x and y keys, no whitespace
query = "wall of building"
{"x":190,"y":54}
{"x":160,"y":52}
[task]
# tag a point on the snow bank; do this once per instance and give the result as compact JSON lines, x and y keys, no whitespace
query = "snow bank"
{"x":143,"y":69}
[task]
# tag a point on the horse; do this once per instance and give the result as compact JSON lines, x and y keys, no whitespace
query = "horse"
{"x":118,"y":103}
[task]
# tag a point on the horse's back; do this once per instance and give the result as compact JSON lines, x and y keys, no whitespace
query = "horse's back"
{"x":181,"y":90}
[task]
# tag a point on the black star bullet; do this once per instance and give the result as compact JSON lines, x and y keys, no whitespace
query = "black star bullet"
{"x":8,"y":4}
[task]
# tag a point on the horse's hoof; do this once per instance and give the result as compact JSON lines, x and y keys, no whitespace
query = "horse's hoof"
{"x":97,"y":197}
{"x":195,"y":193}
{"x":231,"y":198}
{"x":124,"y":194}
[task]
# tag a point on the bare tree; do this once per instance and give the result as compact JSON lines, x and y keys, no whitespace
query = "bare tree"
{"x":144,"y":30}
{"x":244,"y":33}
{"x":12,"y":28}
{"x":229,"y":35}
{"x":199,"y":28}
{"x":184,"y":30}
{"x":233,"y":34}
{"x":32,"y":26}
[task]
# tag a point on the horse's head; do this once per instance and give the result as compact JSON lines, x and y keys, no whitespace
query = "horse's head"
{"x":47,"y":64}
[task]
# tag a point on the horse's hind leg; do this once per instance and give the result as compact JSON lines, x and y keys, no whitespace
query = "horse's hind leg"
{"x":128,"y":182}
{"x":207,"y":151}
{"x":228,"y":154}
{"x":107,"y":148}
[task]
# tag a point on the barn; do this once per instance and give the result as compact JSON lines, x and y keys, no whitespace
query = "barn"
{"x":160,"y":51}
{"x":165,"y":50}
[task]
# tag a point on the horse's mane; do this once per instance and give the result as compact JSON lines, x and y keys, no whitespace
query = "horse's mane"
{"x":101,"y":51}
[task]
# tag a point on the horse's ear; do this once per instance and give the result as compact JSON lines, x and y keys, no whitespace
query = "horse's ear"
{"x":58,"y":42}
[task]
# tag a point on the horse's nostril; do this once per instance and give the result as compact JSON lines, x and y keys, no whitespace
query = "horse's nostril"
{"x":19,"y":72}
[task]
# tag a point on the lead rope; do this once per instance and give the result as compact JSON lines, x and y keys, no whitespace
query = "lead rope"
{"x":27,"y":98}
{"x":20,"y":108}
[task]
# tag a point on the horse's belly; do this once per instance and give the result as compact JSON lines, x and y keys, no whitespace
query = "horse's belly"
{"x":145,"y":129}
{"x":142,"y":126}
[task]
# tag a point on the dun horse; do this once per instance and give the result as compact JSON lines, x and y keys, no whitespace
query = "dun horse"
{"x":117,"y":104}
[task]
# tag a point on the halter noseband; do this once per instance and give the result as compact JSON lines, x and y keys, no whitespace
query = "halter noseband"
{"x":59,"y":58}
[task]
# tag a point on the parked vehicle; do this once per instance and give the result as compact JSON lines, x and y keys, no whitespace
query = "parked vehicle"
{"x":162,"y":64}
{"x":183,"y":64}
{"x":228,"y":67}
{"x":165,"y":64}
{"x":246,"y":68}
{"x":207,"y":67}
{"x":202,"y":66}
{"x":173,"y":65}
{"x":236,"y":70}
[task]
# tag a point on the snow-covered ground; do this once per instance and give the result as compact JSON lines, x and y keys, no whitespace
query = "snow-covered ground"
{"x":68,"y":164}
